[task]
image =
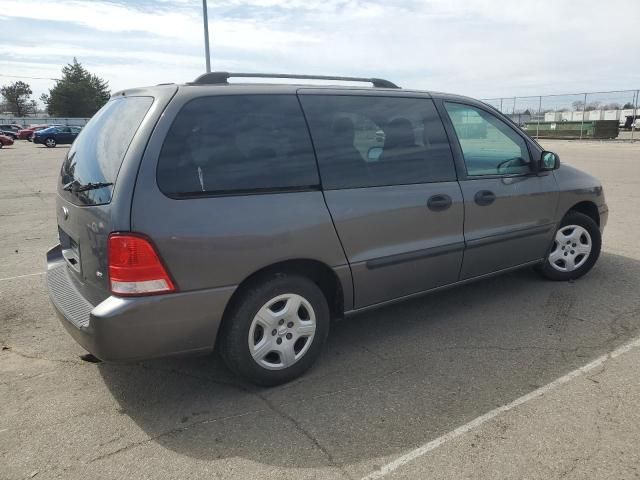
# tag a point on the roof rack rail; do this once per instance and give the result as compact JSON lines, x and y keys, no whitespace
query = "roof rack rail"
{"x":213,"y":78}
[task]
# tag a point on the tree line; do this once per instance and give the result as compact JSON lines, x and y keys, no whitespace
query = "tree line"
{"x":78,"y":93}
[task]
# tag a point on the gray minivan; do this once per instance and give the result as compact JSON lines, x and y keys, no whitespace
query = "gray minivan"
{"x":244,"y":217}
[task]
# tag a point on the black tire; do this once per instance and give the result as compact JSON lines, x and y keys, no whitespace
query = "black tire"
{"x":50,"y":142}
{"x":586,"y":222}
{"x":234,"y":334}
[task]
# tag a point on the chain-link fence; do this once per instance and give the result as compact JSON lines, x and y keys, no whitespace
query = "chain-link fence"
{"x":35,"y":120}
{"x":575,"y":115}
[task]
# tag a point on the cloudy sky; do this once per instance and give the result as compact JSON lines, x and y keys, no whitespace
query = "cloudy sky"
{"x":482,"y":48}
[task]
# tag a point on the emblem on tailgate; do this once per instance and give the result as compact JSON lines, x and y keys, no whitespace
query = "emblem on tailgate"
{"x":65,"y":212}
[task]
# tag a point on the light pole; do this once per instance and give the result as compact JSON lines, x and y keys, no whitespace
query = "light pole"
{"x":206,"y":35}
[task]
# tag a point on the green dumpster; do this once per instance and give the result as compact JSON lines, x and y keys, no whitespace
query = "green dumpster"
{"x":590,"y":129}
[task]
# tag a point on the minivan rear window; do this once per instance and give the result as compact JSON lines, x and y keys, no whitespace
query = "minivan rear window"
{"x":97,"y":153}
{"x":236,"y":144}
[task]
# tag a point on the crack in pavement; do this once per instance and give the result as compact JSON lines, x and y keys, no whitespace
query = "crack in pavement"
{"x":243,"y":389}
{"x":36,"y":193}
{"x":585,"y":459}
{"x":170,"y":432}
{"x":307,"y":434}
{"x":147,"y":440}
{"x":32,"y":356}
{"x":271,"y":407}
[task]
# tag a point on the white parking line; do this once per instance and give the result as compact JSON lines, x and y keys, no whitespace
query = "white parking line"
{"x":433,"y":444}
{"x":22,"y":276}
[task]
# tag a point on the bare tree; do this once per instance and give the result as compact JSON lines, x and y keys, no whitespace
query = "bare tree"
{"x":593,"y":106}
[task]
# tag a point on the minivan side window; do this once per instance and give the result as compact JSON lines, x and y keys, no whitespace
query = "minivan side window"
{"x":237,"y":143}
{"x":367,"y":141}
{"x":489,"y":145}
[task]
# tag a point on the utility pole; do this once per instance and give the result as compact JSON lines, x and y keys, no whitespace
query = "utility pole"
{"x":206,"y":35}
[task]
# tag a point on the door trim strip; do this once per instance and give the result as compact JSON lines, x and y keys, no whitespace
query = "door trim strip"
{"x":503,"y":237}
{"x":389,"y":260}
{"x":415,"y":255}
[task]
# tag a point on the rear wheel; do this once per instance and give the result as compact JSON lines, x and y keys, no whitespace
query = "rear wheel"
{"x":576,"y":247}
{"x":50,"y":142}
{"x":276,"y":329}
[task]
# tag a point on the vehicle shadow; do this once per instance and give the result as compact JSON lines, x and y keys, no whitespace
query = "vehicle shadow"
{"x":390,"y":379}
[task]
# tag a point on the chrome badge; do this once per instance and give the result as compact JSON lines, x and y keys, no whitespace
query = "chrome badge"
{"x":65,"y":212}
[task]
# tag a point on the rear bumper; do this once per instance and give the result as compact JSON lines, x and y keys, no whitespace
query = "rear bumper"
{"x":136,"y":328}
{"x":35,"y":139}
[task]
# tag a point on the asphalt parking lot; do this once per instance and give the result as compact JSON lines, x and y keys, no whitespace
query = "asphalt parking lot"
{"x":392,"y":384}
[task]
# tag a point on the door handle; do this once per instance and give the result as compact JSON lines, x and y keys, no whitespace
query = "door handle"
{"x":484,"y":197}
{"x":439,"y":202}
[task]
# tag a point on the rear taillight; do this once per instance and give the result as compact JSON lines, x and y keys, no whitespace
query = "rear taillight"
{"x":135,"y":267}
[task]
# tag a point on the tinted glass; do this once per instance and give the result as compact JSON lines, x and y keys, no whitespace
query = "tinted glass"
{"x":237,"y":143}
{"x":373,"y":141}
{"x":489,"y":146}
{"x":97,"y":152}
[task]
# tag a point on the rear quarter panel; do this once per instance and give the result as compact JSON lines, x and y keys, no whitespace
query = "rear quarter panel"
{"x":90,"y":226}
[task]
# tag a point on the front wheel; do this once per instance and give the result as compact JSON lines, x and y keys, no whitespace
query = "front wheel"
{"x":576,"y":247}
{"x":50,"y":142}
{"x":275,"y":330}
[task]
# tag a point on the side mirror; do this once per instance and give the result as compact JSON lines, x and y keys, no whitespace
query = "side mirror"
{"x":549,"y":161}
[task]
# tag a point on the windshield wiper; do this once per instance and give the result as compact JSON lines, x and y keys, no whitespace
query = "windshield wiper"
{"x":75,"y":187}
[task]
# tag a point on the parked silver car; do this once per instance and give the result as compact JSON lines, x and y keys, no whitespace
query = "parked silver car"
{"x":246,"y":216}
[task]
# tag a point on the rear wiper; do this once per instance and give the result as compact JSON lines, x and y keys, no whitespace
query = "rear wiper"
{"x":75,"y":187}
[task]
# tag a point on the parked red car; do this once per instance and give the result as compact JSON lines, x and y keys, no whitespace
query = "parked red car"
{"x":26,"y":133}
{"x":5,"y":140}
{"x":10,"y":130}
